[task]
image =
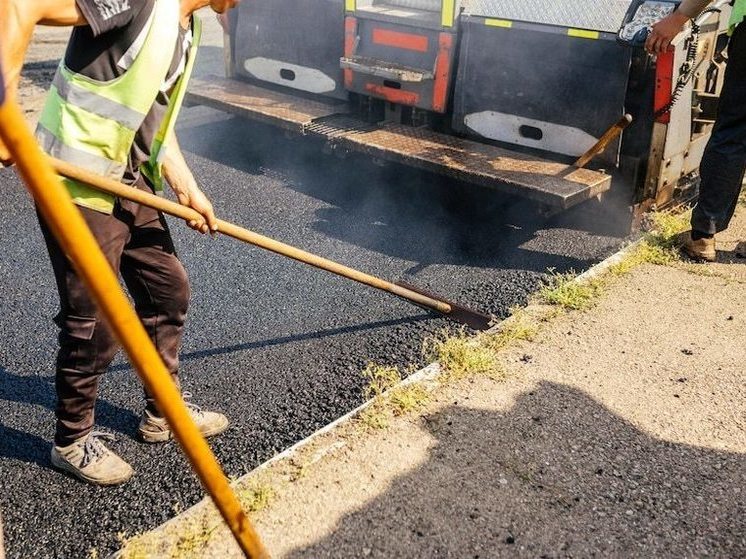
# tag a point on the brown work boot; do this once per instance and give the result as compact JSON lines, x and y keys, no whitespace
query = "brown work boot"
{"x":701,"y":250}
{"x":154,"y":429}
{"x":89,"y":459}
{"x":741,"y":249}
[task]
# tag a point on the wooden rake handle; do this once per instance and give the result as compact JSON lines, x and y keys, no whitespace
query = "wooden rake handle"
{"x":609,"y":136}
{"x":169,"y":207}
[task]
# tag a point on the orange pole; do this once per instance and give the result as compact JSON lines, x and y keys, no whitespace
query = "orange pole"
{"x":75,"y":238}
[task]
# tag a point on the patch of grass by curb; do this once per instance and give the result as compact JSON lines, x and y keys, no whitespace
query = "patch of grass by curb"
{"x":408,"y":399}
{"x":564,"y":291}
{"x":380,"y":379}
{"x":461,"y":355}
{"x":389,"y":398}
{"x":518,"y":328}
{"x":190,"y":537}
{"x":255,"y":496}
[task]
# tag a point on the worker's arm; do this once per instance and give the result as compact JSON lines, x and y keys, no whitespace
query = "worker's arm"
{"x":182,"y":182}
{"x":666,"y":29}
{"x":17,"y":21}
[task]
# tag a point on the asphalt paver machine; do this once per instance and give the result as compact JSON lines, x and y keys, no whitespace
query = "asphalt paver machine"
{"x":504,"y":94}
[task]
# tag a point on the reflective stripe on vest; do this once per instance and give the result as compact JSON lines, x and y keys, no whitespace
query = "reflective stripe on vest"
{"x":93,"y":124}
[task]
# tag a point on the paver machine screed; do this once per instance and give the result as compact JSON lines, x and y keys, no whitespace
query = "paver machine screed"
{"x":504,"y":94}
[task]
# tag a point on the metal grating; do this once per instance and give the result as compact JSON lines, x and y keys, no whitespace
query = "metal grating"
{"x":548,"y":182}
{"x":337,"y":126}
{"x":596,"y":15}
{"x":528,"y":176}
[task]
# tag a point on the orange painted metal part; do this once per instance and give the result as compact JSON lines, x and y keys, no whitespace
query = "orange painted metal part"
{"x":71,"y":232}
{"x":663,"y":84}
{"x":350,"y":40}
{"x":406,"y":41}
{"x":393,"y":95}
{"x":442,"y":72}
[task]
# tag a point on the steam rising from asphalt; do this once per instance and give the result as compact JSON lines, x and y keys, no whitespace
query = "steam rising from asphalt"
{"x":417,"y":217}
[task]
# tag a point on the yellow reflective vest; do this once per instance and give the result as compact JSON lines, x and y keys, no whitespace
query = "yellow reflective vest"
{"x":93,"y":124}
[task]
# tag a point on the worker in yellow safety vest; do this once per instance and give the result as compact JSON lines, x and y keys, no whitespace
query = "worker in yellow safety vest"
{"x":111,"y":109}
{"x":724,"y":160}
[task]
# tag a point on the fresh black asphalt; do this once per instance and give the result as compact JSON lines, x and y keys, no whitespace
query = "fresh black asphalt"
{"x":276,"y":345}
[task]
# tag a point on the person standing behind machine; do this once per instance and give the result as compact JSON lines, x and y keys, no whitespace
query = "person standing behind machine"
{"x":724,"y":160}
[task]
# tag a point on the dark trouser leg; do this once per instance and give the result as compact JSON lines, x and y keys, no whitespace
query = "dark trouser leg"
{"x":86,"y":343}
{"x":724,"y":160}
{"x":159,"y":286}
{"x":134,"y":240}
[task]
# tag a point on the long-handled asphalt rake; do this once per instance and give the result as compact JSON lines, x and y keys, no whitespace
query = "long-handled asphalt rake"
{"x":431,"y":301}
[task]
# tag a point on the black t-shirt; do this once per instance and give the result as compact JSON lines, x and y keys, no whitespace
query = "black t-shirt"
{"x":105,"y":48}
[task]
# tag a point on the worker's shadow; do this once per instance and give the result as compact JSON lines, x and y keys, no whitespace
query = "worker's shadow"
{"x":556,"y":475}
{"x":730,"y":257}
{"x":34,"y":390}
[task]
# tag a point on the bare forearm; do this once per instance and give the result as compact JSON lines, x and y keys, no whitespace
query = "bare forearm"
{"x":17,"y":21}
{"x":182,"y":182}
{"x":692,"y":8}
{"x":175,"y":168}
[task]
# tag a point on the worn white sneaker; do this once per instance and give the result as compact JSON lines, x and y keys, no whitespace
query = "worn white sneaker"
{"x":89,"y":459}
{"x":154,"y":429}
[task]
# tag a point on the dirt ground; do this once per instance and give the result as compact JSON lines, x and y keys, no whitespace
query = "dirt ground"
{"x":619,"y":431}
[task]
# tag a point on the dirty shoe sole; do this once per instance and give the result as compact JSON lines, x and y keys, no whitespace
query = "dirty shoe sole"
{"x":65,"y":466}
{"x":165,"y":435}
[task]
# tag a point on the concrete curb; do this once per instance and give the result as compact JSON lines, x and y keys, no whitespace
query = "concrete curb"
{"x":429,"y":373}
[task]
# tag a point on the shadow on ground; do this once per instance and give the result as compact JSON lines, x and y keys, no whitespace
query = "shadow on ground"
{"x":557,"y":475}
{"x":35,"y":390}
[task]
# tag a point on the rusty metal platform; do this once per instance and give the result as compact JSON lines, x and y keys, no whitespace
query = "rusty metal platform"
{"x":288,"y":111}
{"x":545,"y":181}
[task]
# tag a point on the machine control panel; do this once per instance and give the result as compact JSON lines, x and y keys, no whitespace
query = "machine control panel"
{"x":641,"y":17}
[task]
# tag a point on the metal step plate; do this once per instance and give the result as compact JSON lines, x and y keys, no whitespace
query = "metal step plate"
{"x":286,"y":110}
{"x":551,"y":183}
{"x":548,"y":182}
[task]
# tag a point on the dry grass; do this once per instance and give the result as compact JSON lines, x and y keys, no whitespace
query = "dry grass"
{"x":563,"y":290}
{"x":389,"y":399}
{"x":380,"y":379}
{"x":255,"y":496}
{"x":461,"y":355}
{"x":408,"y":399}
{"x":518,"y":328}
{"x":374,"y":418}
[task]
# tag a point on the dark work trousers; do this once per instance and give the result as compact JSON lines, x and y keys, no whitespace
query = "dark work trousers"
{"x":137,"y":244}
{"x":724,"y":160}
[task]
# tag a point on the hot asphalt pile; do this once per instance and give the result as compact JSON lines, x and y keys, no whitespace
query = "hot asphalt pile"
{"x":276,"y":345}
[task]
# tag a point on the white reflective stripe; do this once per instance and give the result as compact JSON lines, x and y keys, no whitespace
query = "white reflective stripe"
{"x":129,"y":57}
{"x":95,"y":163}
{"x":93,"y":103}
{"x":298,"y":77}
{"x":508,"y":128}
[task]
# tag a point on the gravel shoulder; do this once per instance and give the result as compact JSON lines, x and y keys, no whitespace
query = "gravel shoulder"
{"x":618,"y":431}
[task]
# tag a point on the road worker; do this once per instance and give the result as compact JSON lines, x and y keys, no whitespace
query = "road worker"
{"x":111,"y":109}
{"x":724,"y":160}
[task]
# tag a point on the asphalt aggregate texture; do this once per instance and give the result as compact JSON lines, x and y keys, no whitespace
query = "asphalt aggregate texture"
{"x":276,"y":345}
